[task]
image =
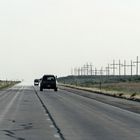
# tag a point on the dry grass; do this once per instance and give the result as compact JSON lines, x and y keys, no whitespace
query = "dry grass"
{"x":127,"y":87}
{"x":5,"y":84}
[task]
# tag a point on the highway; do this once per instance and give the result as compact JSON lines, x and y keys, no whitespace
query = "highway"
{"x":69,"y":114}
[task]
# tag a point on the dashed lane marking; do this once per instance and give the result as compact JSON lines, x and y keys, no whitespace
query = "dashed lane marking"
{"x":51,"y":126}
{"x":57,"y":136}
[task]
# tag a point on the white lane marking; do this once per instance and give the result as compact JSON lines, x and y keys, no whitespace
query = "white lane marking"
{"x":4,"y":94}
{"x":51,"y":126}
{"x":56,"y":136}
{"x":7,"y":108}
{"x":48,"y":119}
{"x":46,"y":115}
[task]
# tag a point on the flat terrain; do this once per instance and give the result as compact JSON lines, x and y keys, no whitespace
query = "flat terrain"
{"x":5,"y":84}
{"x":125,"y":85}
{"x":69,"y":114}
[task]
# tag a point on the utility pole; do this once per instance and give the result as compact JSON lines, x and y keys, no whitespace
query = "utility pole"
{"x":91,"y":69}
{"x":101,"y":77}
{"x":102,"y":71}
{"x":108,"y":69}
{"x":113,"y":67}
{"x":132,"y":67}
{"x":71,"y":71}
{"x":96,"y":71}
{"x":137,"y":65}
{"x":75,"y":71}
{"x":124,"y":65}
{"x":119,"y":64}
{"x":81,"y":71}
{"x":78,"y":70}
{"x":87,"y":66}
{"x":84,"y":68}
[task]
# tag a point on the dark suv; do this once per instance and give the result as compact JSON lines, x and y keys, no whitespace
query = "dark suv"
{"x":48,"y":82}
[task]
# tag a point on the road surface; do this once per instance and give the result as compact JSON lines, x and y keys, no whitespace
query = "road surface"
{"x":69,"y":114}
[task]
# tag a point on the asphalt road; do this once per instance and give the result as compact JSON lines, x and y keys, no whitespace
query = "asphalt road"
{"x":28,"y":114}
{"x":22,"y":116}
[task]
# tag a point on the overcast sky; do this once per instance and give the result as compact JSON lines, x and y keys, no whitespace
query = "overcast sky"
{"x":52,"y":36}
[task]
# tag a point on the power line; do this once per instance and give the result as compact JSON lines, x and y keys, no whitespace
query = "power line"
{"x":108,"y":70}
{"x":125,"y":65}
{"x":87,"y":69}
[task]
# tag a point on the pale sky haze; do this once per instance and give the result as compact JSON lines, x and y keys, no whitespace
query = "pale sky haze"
{"x":51,"y":36}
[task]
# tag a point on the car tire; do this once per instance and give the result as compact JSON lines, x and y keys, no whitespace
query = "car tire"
{"x":41,"y":89}
{"x":55,"y":89}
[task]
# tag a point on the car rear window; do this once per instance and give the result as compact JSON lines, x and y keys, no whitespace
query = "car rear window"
{"x":49,"y":78}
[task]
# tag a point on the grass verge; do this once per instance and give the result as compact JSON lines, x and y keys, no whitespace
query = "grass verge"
{"x":122,"y":90}
{"x":7,"y":84}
